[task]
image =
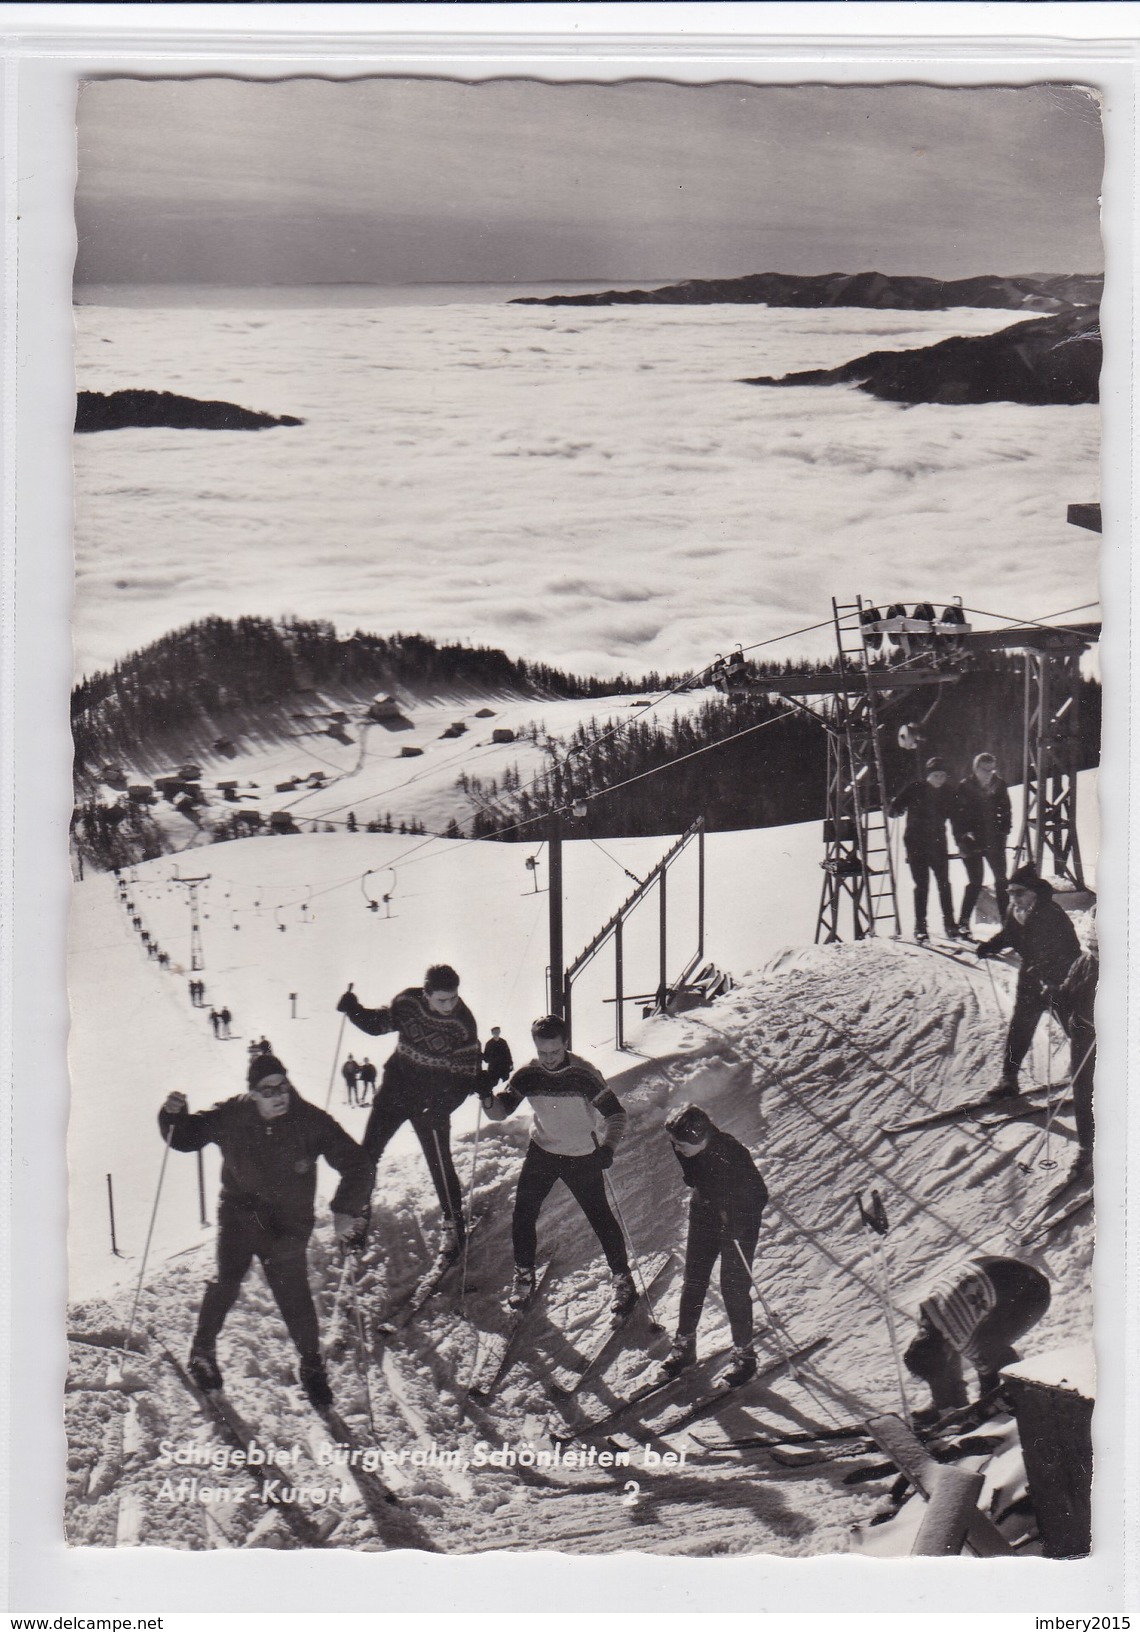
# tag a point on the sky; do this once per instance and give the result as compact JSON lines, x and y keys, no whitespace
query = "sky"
{"x":402,"y":180}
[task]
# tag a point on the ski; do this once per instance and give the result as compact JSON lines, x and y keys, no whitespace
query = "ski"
{"x":405,"y":1309}
{"x":374,"y":1493}
{"x":722,"y":1391}
{"x":656,"y":1386}
{"x":983,"y":1112}
{"x":774,"y":1437}
{"x":494,"y":1354}
{"x":568,"y":1380}
{"x":1069,"y":1198}
{"x":240,"y":1437}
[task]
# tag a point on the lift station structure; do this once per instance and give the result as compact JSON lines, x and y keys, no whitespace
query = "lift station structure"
{"x":883,"y":660}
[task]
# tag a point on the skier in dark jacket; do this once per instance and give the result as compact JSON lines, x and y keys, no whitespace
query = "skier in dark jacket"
{"x":572,"y":1104}
{"x":1040,"y":932}
{"x":982,"y":821}
{"x":975,"y":1311}
{"x":350,"y":1070}
{"x":433,"y":1069}
{"x":270,"y":1139}
{"x":497,"y":1059}
{"x":1078,"y":1000}
{"x":724,"y":1221}
{"x":928,"y":806}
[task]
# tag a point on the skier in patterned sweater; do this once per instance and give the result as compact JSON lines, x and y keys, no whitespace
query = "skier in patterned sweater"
{"x":975,"y":1311}
{"x":572,"y":1104}
{"x":434,"y":1067}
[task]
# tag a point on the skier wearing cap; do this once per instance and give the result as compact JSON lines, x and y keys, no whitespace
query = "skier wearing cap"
{"x":725,"y":1210}
{"x":497,"y":1059}
{"x":350,"y":1070}
{"x":434,"y":1067}
{"x":928,"y":805}
{"x":975,"y":1311}
{"x":1040,"y":932}
{"x":982,"y":821}
{"x":270,"y":1139}
{"x":572,"y":1104}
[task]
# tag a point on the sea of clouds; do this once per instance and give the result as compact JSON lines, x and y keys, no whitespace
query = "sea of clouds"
{"x":590,"y":486}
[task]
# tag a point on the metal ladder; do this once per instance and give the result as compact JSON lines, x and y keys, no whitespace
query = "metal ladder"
{"x":859,"y":864}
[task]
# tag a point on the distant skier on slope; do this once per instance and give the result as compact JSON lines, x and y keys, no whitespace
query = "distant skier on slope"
{"x":432,"y":1070}
{"x":215,"y":1021}
{"x":975,"y":1312}
{"x":1041,"y":933}
{"x":982,"y":821}
{"x":497,"y":1059}
{"x":270,"y":1139}
{"x":367,"y":1080}
{"x":725,"y":1210}
{"x":572,"y":1104}
{"x":929,"y":806}
{"x":350,"y":1070}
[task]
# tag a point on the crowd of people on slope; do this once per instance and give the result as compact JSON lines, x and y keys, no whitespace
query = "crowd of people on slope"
{"x":270,"y":1137}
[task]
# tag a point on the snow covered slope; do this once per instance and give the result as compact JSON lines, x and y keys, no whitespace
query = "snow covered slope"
{"x":815,"y":1052}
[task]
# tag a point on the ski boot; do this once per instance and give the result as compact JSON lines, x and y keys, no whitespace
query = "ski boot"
{"x":965,"y":933}
{"x":624,"y":1296}
{"x":522,"y":1288}
{"x":681,"y":1356}
{"x":1006,"y":1089}
{"x":920,"y":933}
{"x":742,"y":1367}
{"x":314,"y":1380}
{"x":950,"y":929}
{"x":450,"y":1241}
{"x":203,"y":1368}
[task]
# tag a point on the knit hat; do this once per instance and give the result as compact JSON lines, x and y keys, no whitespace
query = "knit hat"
{"x":264,"y":1065}
{"x":689,"y":1124}
{"x":983,"y":759}
{"x":1027,"y":878}
{"x":935,"y":764}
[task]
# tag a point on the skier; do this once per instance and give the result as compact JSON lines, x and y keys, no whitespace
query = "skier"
{"x":270,"y":1139}
{"x":982,"y":821}
{"x":225,"y":1017}
{"x":350,"y":1071}
{"x":1078,"y":999}
{"x":432,"y":1070}
{"x":1040,"y":932}
{"x":192,"y":988}
{"x":367,"y":1080}
{"x":725,"y":1210}
{"x":974,"y":1312}
{"x":215,"y":1021}
{"x":928,"y":805}
{"x":570,"y":1101}
{"x":497,"y":1059}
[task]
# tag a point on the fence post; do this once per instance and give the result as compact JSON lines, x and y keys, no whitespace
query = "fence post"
{"x":664,"y":934}
{"x":111,"y":1209}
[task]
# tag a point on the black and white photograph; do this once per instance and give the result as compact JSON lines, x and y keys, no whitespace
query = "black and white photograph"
{"x":586,"y":718}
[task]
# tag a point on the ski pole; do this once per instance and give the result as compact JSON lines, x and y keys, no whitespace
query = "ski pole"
{"x":994,"y":989}
{"x":470,"y":1205}
{"x":336,"y":1055}
{"x":654,"y":1324}
{"x":149,"y":1234}
{"x":361,"y":1348}
{"x":780,"y":1334}
{"x":874,"y":1219}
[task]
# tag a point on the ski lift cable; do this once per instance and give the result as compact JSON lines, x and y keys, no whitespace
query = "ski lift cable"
{"x":1036,"y":623}
{"x":638,"y":881}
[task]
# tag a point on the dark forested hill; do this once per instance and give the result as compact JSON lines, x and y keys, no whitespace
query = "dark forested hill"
{"x":876,"y":290}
